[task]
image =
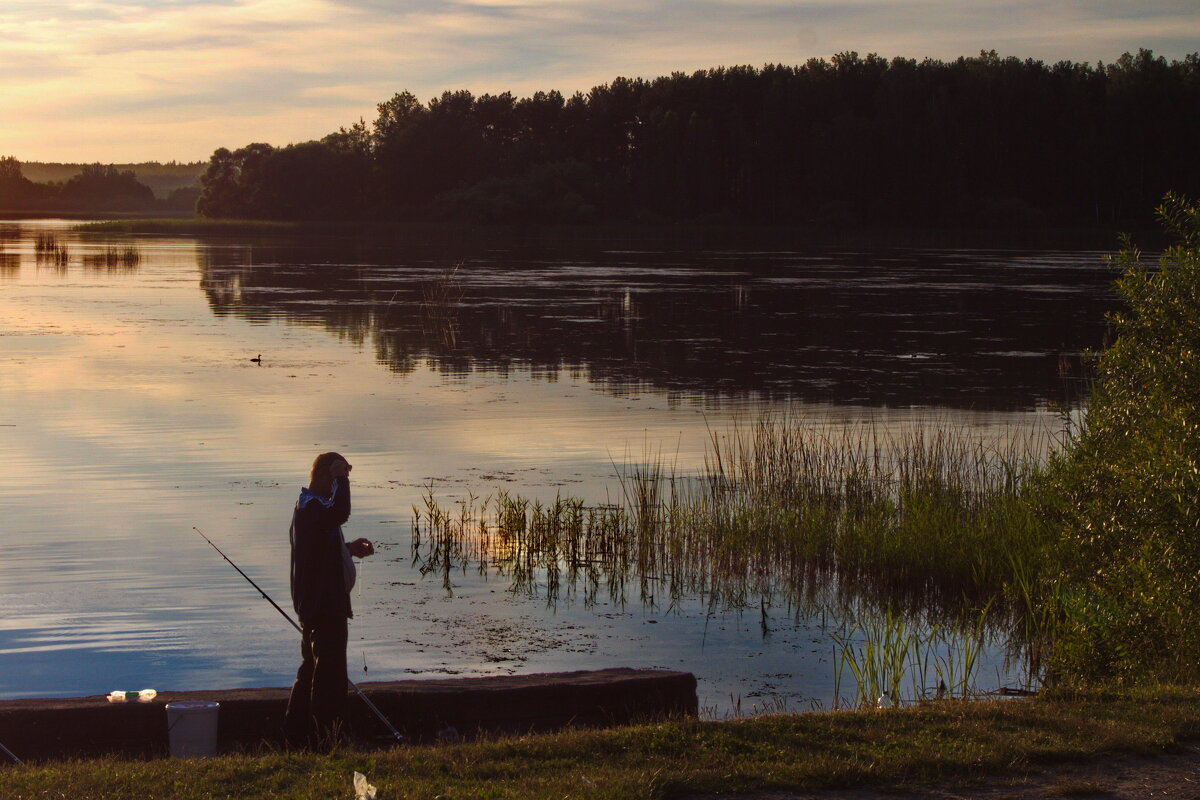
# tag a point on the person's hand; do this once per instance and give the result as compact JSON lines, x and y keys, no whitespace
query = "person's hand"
{"x":340,"y":469}
{"x":361,"y":548}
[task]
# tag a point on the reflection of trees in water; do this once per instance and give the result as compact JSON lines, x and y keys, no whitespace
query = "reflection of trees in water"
{"x":10,"y":265}
{"x":907,"y":328}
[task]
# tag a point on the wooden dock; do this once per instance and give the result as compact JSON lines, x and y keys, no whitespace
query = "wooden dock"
{"x":420,"y":709}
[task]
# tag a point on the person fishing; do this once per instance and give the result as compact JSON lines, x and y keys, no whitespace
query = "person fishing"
{"x":323,"y":574}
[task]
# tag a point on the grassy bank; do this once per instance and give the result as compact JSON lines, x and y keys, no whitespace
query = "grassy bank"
{"x":945,"y":742}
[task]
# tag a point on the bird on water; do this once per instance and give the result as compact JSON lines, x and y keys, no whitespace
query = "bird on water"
{"x":257,"y":359}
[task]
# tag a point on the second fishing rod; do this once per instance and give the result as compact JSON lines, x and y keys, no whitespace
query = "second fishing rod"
{"x":399,"y":737}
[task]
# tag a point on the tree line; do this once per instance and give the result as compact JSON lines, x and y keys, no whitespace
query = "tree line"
{"x":851,"y":140}
{"x":162,"y":177}
{"x":96,"y":187}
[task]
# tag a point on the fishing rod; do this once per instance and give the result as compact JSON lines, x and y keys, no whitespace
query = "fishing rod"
{"x":10,"y":754}
{"x":391,"y":728}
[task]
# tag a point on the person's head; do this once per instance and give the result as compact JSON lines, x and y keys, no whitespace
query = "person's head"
{"x":320,"y":480}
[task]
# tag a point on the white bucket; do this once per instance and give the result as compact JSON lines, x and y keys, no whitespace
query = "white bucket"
{"x":192,"y":728}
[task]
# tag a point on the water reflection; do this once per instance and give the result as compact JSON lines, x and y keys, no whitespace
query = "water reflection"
{"x":965,"y":329}
{"x":128,"y":400}
{"x":10,"y":266}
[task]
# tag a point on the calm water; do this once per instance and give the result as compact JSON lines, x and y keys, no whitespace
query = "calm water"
{"x":131,"y":411}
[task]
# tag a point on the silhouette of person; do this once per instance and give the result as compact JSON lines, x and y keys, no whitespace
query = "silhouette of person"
{"x":322,"y":575}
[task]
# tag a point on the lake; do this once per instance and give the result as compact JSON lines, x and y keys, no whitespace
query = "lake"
{"x":131,"y":410}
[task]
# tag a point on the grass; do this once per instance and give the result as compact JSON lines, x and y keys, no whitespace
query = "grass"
{"x":114,"y":258}
{"x":440,"y":300}
{"x":943,"y":742}
{"x":781,"y":509}
{"x":49,"y":250}
{"x":923,"y":546}
{"x":893,"y":662}
{"x":921,"y":542}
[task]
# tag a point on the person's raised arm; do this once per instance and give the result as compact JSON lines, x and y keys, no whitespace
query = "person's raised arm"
{"x":339,"y":512}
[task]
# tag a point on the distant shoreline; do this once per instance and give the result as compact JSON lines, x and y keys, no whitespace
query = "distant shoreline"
{"x":108,"y":216}
{"x":667,"y":235}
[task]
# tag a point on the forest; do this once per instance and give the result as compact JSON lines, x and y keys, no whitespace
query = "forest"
{"x":94,"y":188}
{"x":982,"y":141}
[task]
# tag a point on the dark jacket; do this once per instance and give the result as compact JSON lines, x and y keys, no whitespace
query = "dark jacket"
{"x":318,"y":577}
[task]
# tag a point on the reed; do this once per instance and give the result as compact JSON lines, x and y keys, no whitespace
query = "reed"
{"x":440,"y":302}
{"x":114,"y":258}
{"x":923,"y":544}
{"x":48,"y":249}
{"x":783,"y":515}
{"x":45,"y":243}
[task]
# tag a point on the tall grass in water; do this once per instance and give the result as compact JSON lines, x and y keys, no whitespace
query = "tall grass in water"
{"x":784,"y":514}
{"x":917,"y":520}
{"x":914,"y":540}
{"x":895,"y":660}
{"x":114,"y":258}
{"x":440,"y":301}
{"x":49,"y":250}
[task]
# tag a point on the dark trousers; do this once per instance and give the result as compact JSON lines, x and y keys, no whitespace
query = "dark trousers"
{"x":314,"y":711}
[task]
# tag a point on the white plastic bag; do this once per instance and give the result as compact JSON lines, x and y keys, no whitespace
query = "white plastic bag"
{"x":362,"y":789}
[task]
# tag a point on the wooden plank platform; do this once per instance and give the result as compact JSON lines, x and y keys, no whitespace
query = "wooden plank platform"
{"x":420,"y":709}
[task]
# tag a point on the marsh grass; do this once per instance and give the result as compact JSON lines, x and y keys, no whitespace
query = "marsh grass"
{"x":441,"y":299}
{"x":45,"y":243}
{"x":784,"y":515}
{"x":916,"y":543}
{"x":50,"y":251}
{"x":896,"y":661}
{"x":111,"y":258}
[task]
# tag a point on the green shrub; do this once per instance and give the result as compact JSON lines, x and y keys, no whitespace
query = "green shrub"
{"x":1124,"y":495}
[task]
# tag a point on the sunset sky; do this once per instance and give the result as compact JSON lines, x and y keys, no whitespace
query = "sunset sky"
{"x":136,"y":80}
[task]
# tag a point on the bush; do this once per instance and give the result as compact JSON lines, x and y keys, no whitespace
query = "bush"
{"x":1124,"y":496}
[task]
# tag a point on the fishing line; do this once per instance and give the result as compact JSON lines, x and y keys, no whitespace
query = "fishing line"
{"x":11,"y":754}
{"x":391,"y":728}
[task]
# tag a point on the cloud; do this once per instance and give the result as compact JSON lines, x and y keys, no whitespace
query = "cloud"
{"x":134,"y":79}
{"x":147,"y":43}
